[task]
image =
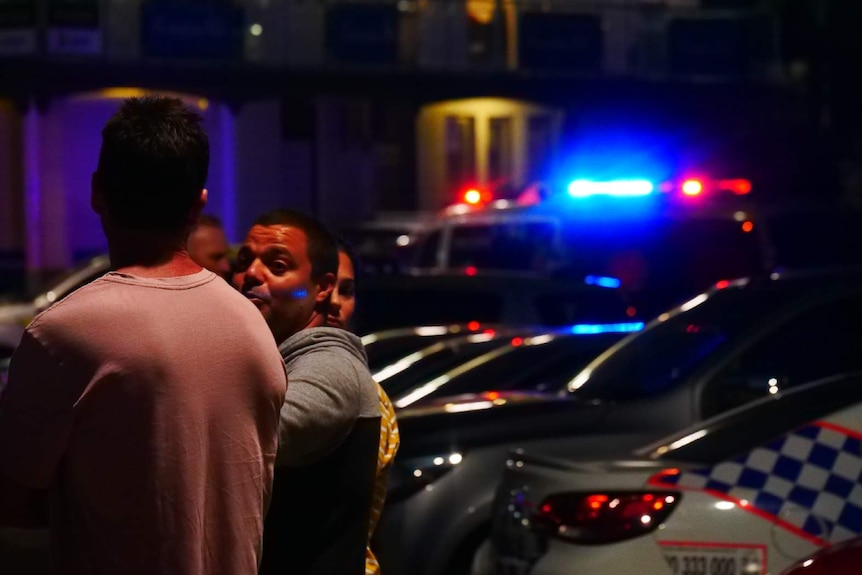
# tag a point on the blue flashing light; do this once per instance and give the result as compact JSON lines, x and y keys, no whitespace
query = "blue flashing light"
{"x":602,"y":281}
{"x":595,"y":328}
{"x":299,"y":293}
{"x":624,"y":188}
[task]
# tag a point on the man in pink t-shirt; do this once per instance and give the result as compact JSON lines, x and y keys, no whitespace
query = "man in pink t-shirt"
{"x":144,"y":406}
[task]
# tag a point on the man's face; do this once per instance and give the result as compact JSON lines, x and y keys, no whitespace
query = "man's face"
{"x":343,"y":302}
{"x":274,"y":272}
{"x":208,"y":247}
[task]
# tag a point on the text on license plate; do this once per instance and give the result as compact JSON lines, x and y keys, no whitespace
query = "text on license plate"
{"x":702,"y":558}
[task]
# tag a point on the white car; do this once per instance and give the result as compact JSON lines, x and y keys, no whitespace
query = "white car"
{"x":745,"y":493}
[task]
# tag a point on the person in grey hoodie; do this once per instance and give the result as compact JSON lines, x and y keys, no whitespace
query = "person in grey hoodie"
{"x":330,"y":423}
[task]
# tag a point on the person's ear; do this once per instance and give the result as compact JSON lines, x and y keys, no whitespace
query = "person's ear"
{"x":97,"y":195}
{"x":325,"y":286}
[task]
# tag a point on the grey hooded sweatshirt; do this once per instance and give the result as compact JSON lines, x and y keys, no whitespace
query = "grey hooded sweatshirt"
{"x":329,"y":436}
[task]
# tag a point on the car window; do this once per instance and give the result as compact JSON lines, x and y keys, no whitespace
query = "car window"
{"x":661,"y":357}
{"x":397,"y":306}
{"x":426,"y":253}
{"x":820,"y":342}
{"x":521,"y":246}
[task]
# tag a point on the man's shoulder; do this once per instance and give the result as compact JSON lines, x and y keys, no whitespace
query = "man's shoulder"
{"x":81,"y":302}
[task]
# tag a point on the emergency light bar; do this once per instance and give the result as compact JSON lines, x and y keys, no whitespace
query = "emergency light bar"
{"x":697,"y":186}
{"x":586,"y":188}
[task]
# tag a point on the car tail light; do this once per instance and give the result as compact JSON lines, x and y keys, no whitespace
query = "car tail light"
{"x":603,"y":517}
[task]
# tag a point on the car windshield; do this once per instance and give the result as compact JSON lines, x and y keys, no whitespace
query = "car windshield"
{"x":520,"y":246}
{"x":542,"y":363}
{"x":659,"y":358}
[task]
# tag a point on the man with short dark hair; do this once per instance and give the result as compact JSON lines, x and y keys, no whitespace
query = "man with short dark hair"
{"x":151,"y":420}
{"x":330,"y":422}
{"x":208,"y":246}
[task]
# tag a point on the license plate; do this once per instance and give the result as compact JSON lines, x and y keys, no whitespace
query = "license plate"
{"x":701,"y":558}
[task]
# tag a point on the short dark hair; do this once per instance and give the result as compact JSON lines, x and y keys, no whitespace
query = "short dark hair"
{"x":346,"y":247}
{"x":153,"y":163}
{"x":209,"y":220}
{"x":322,"y":247}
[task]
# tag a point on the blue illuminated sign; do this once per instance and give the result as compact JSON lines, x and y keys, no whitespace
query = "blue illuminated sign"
{"x":587,"y":188}
{"x":595,"y":328}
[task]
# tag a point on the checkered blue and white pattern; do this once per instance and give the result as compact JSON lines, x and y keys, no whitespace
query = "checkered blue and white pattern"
{"x":810,"y":478}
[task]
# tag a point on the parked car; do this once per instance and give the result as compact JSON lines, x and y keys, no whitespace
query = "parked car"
{"x":384,"y":244}
{"x":747,"y":492}
{"x":509,"y":359}
{"x":735,"y":343}
{"x":661,"y":250}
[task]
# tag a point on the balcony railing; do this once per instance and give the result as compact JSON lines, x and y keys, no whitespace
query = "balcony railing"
{"x":626,"y":38}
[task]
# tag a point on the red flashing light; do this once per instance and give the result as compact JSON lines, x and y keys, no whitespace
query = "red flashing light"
{"x":722,"y":284}
{"x":492,"y":395}
{"x":473,"y":197}
{"x":692,"y":187}
{"x":631,"y":311}
{"x":701,"y":186}
{"x":470,"y":270}
{"x":747,"y":226}
{"x":739,"y":186}
{"x":473,"y":325}
{"x":516,"y":341}
{"x":489,"y":332}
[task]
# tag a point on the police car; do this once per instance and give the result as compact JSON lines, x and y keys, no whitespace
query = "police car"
{"x":738,"y":342}
{"x":745,"y":493}
{"x":663,"y":241}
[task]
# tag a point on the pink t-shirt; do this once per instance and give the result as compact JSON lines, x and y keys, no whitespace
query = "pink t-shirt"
{"x":150,"y":408}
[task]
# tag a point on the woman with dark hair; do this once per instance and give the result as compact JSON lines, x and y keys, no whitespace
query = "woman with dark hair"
{"x":341,"y":309}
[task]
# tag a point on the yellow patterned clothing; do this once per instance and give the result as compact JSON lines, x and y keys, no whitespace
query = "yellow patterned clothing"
{"x":389,"y":441}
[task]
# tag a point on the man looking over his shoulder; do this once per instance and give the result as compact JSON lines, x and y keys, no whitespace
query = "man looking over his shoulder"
{"x":330,"y":422}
